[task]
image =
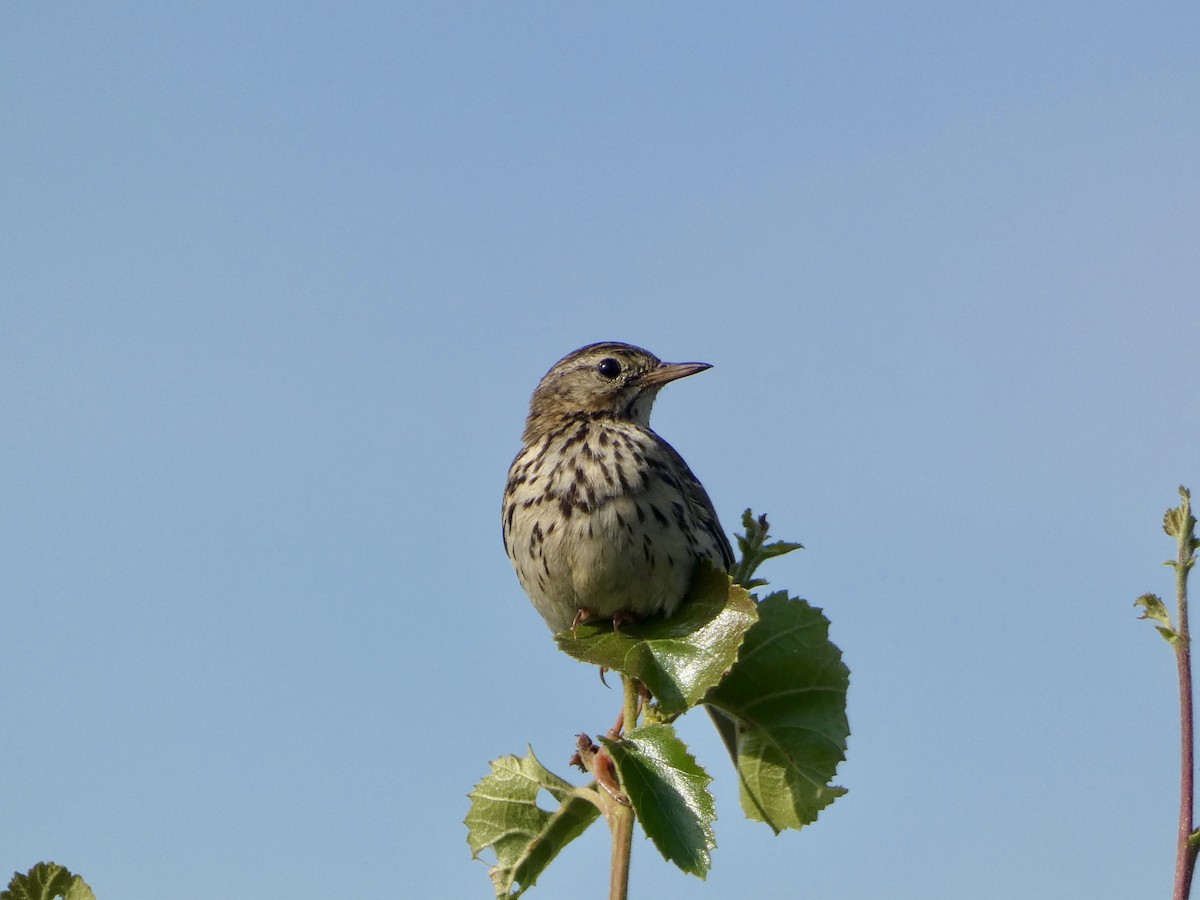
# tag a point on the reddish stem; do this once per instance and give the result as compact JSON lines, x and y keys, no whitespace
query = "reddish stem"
{"x":1185,"y":847}
{"x":1185,"y":850}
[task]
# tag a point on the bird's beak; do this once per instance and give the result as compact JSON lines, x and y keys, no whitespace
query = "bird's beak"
{"x":671,"y":371}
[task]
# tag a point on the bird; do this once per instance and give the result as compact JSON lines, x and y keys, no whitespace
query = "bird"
{"x":602,"y":518}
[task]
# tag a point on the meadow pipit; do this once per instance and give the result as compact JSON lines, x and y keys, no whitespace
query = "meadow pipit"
{"x":602,"y":518}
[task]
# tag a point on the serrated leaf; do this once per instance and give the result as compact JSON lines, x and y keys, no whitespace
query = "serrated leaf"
{"x":669,"y":793}
{"x":1154,"y":609}
{"x":787,"y":695}
{"x":679,"y":659}
{"x":1172,"y":519}
{"x":505,"y":817}
{"x":1178,"y":521}
{"x":755,"y":550}
{"x":46,"y":881}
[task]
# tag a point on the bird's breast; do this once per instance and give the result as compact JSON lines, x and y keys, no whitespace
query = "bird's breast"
{"x":593,"y":519}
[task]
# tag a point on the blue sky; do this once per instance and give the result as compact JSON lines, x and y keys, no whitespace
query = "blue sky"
{"x":278,"y":282}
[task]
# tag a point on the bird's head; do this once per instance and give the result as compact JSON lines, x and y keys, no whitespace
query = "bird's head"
{"x":605,"y":380}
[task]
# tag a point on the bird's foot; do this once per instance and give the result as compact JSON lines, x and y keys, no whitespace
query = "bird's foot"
{"x":582,"y":615}
{"x":624,"y":617}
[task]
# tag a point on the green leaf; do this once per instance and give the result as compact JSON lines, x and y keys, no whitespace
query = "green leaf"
{"x":787,"y":695}
{"x":1155,"y":610}
{"x":669,"y":793}
{"x":679,"y":659}
{"x":1178,"y":522}
{"x":45,"y":881}
{"x":755,"y":550}
{"x":504,"y":816}
{"x":1170,"y":634}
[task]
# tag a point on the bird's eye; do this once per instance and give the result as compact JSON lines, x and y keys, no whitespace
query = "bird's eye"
{"x":609,"y":367}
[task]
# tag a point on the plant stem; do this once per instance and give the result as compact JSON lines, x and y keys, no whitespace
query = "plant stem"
{"x":617,"y":812}
{"x":1185,"y":852}
{"x":620,"y":820}
{"x":620,"y":815}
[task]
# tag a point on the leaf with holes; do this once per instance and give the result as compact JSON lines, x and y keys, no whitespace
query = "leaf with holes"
{"x":46,"y":881}
{"x":505,"y":817}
